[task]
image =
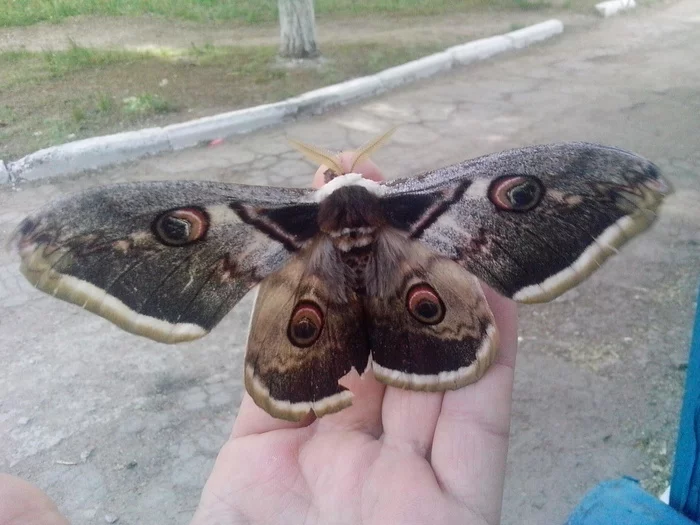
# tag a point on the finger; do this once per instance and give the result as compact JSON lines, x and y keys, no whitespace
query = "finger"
{"x":471,"y":437}
{"x":366,"y":167}
{"x":252,"y":419}
{"x":506,"y":313}
{"x":364,"y":415}
{"x":410,"y":418}
{"x":22,"y":502}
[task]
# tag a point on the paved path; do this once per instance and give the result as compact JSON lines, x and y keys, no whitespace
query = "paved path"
{"x":599,"y":376}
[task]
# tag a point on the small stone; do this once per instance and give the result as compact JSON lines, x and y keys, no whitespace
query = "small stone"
{"x":111,"y":518}
{"x":85,"y":454}
{"x":627,"y":339}
{"x":23,"y":421}
{"x":163,"y":82}
{"x":37,"y":133}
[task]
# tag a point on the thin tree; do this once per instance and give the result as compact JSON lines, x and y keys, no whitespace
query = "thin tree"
{"x":297,"y":29}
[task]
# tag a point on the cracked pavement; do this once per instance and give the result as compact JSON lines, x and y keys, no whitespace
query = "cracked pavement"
{"x":113,"y":425}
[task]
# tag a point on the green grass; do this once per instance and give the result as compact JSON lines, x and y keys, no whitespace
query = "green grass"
{"x":60,"y":63}
{"x":53,"y":97}
{"x":146,"y":104}
{"x":26,"y":12}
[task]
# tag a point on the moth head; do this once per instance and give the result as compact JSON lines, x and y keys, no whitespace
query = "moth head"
{"x":181,"y":226}
{"x":305,"y":324}
{"x":424,"y":304}
{"x":519,"y":193}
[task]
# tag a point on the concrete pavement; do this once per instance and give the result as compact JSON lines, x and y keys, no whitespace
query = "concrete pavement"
{"x":112,"y":425}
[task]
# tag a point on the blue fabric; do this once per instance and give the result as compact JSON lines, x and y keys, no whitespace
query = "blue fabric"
{"x":624,"y":502}
{"x":685,"y":483}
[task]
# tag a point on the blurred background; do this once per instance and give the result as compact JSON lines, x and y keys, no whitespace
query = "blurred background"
{"x":77,"y":68}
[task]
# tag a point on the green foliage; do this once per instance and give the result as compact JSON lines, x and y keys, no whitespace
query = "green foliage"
{"x":78,"y":114}
{"x":76,"y":58}
{"x":147,"y":103}
{"x":105,"y":103}
{"x":26,"y":12}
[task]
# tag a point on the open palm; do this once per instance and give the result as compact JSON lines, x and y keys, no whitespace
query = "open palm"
{"x":393,"y":457}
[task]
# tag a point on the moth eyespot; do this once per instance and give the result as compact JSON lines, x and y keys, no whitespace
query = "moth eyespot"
{"x":305,"y":325}
{"x":516,"y":193}
{"x":424,"y":304}
{"x":181,"y":226}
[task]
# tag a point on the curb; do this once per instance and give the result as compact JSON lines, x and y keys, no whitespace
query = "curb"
{"x":612,"y":7}
{"x":100,"y":152}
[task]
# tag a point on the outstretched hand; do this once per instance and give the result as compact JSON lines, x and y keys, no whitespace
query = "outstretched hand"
{"x":395,"y":456}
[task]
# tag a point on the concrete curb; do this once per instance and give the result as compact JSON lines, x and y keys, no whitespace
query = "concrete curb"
{"x":100,"y":152}
{"x":612,"y":7}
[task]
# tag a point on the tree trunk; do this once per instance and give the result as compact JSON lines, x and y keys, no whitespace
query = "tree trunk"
{"x":297,"y":29}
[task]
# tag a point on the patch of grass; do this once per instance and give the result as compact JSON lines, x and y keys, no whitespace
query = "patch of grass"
{"x":26,"y":12}
{"x":50,"y":98}
{"x":76,"y":58}
{"x":78,"y":114}
{"x":147,"y":103}
{"x":657,"y":464}
{"x":27,"y":68}
{"x":105,"y":103}
{"x":7,"y":116}
{"x":531,"y":5}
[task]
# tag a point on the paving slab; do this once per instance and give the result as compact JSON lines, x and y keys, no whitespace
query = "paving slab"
{"x":113,"y":425}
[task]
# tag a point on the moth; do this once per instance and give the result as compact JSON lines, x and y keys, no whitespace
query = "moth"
{"x":357,"y":274}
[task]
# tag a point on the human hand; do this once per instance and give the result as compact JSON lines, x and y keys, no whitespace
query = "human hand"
{"x":394,"y":457}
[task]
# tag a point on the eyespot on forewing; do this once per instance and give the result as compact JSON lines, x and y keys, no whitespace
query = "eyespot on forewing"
{"x":516,"y":193}
{"x":181,"y":226}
